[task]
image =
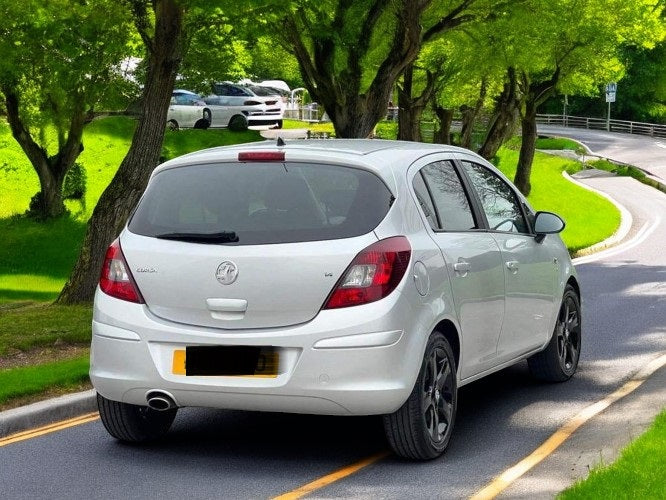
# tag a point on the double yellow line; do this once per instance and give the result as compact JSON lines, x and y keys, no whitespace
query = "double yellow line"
{"x":47,"y":429}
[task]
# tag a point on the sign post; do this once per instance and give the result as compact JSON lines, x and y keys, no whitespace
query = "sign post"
{"x":611,"y":90}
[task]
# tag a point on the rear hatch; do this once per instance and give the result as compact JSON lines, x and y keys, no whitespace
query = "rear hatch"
{"x":250,"y":245}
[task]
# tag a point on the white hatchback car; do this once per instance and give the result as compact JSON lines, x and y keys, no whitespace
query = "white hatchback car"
{"x":340,"y":277}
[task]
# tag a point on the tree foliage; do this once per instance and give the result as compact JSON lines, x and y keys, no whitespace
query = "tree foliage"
{"x":571,"y":45}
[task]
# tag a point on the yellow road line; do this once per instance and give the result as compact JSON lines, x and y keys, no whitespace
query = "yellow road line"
{"x":47,"y":429}
{"x":331,"y":478}
{"x":504,"y":480}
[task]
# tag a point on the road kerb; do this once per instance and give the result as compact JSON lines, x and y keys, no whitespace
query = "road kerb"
{"x":46,"y":412}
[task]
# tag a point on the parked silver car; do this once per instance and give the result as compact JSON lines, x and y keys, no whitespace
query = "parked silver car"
{"x":342,"y":277}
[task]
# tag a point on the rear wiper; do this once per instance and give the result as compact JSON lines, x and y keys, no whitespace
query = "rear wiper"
{"x":220,"y":237}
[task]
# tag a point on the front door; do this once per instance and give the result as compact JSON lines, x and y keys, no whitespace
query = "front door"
{"x":529,"y":266}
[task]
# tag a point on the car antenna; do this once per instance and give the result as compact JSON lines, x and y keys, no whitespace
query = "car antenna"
{"x":280,"y":142}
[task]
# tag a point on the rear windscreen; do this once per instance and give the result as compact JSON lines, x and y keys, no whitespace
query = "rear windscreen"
{"x":263,"y":203}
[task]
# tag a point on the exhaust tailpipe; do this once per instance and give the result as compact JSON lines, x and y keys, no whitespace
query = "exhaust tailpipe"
{"x":160,"y":401}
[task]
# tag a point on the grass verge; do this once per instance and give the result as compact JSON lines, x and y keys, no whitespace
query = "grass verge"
{"x":27,"y":380}
{"x":638,"y":473}
{"x":39,"y":325}
{"x":559,"y":143}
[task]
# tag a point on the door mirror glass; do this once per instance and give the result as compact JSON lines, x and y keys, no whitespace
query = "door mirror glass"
{"x":548,"y":223}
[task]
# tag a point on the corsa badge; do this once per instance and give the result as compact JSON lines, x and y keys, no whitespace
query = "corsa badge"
{"x":227,"y":272}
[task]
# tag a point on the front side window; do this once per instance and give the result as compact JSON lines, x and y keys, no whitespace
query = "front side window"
{"x":499,"y":202}
{"x":449,"y":197}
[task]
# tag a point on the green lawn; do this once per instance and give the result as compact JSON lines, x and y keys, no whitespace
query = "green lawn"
{"x":640,"y":472}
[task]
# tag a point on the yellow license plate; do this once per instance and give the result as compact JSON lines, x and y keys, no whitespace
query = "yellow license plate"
{"x":266,"y":365}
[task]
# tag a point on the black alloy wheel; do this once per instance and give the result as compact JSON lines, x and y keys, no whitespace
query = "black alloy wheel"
{"x":421,"y":428}
{"x":559,"y":360}
{"x":568,"y":335}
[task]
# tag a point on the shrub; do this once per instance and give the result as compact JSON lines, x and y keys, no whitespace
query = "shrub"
{"x":74,"y":186}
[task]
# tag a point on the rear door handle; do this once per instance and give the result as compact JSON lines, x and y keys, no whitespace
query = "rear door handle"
{"x":461,"y":268}
{"x":512,"y":266}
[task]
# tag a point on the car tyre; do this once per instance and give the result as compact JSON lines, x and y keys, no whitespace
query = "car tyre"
{"x":421,"y":428}
{"x":134,"y":423}
{"x":279,"y":124}
{"x":559,"y":360}
{"x":208,"y":116}
{"x":201,"y":124}
{"x":238,"y":123}
{"x":172,"y":125}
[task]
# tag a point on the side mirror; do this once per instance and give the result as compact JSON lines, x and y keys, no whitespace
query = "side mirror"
{"x":547,"y":223}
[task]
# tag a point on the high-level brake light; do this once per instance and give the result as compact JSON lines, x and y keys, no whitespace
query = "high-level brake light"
{"x":261,"y":156}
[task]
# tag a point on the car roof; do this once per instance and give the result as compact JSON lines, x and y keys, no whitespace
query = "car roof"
{"x":183,"y":91}
{"x":378,"y":155}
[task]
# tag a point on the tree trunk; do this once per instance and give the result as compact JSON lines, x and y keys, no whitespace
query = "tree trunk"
{"x":50,"y":202}
{"x":124,"y":191}
{"x":442,"y":133}
{"x":527,"y":148}
{"x":51,"y":170}
{"x":356,"y":120}
{"x":469,"y":116}
{"x":409,"y":112}
{"x":535,"y":95}
{"x":355,"y":113}
{"x":411,"y":107}
{"x":504,"y":117}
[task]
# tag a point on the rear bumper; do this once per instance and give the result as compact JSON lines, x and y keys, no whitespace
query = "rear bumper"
{"x":334,"y":364}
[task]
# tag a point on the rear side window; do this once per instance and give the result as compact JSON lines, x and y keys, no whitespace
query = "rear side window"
{"x":263,"y":203}
{"x":448,"y":194}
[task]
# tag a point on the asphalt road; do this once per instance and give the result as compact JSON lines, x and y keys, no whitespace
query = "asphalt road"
{"x":223,"y":454}
{"x":642,"y":151}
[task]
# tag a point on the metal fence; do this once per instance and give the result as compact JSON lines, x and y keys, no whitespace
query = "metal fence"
{"x":641,"y":128}
{"x":308,"y":113}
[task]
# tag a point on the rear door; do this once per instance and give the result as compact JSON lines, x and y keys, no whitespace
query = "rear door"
{"x":250,"y":245}
{"x":472,"y":257}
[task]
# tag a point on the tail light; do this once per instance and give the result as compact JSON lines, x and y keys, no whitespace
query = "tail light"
{"x":373,"y":274}
{"x":116,"y":279}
